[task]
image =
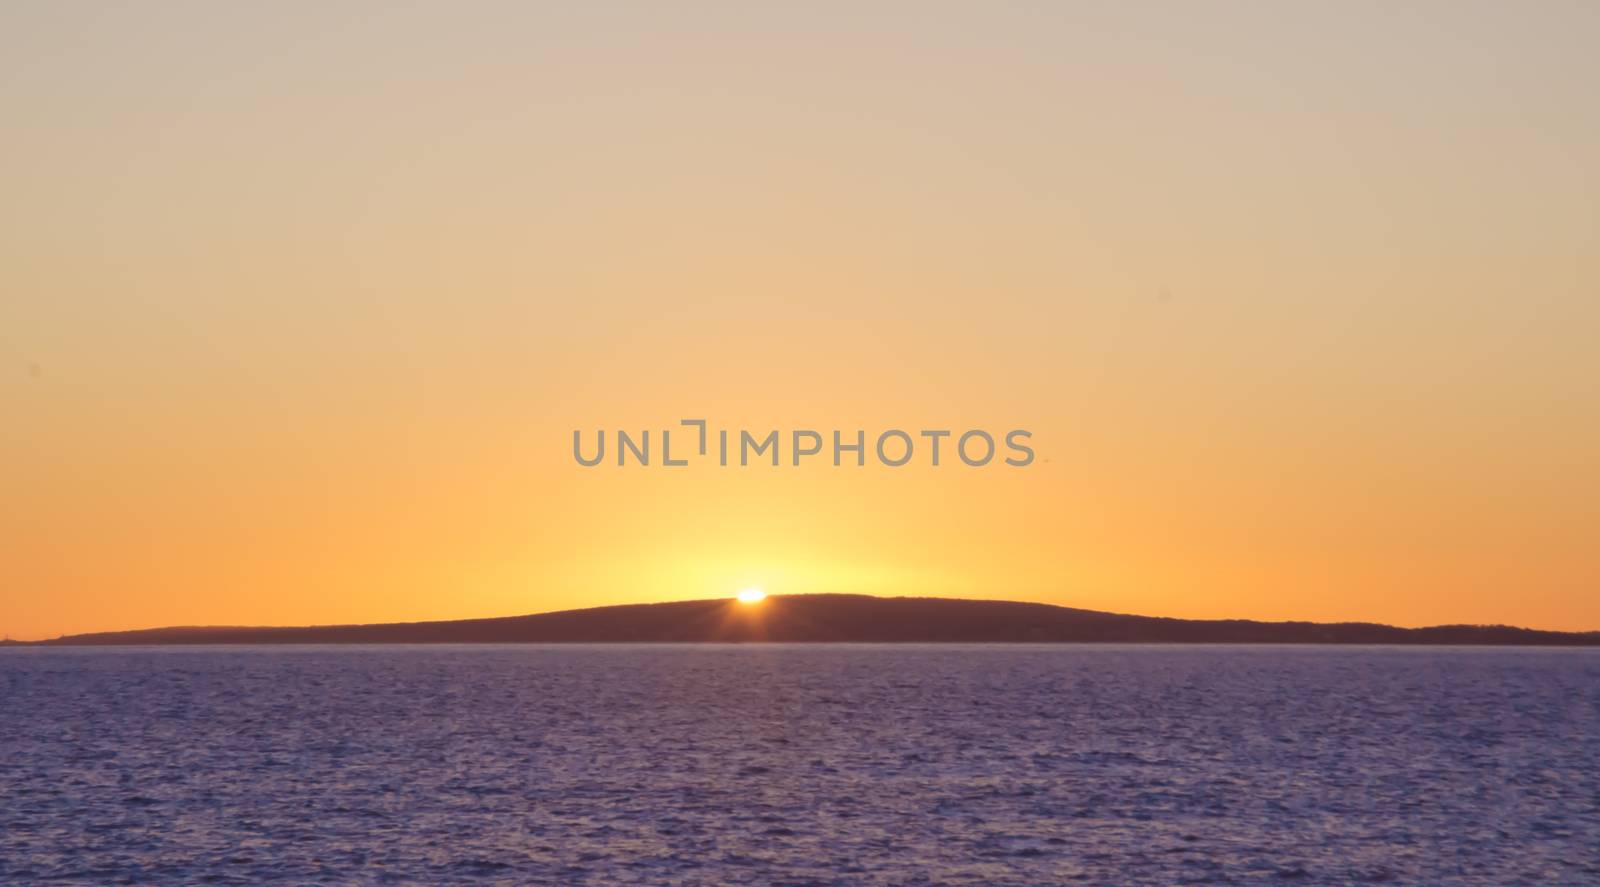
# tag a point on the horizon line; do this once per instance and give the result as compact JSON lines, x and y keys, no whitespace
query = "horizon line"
{"x":730,"y":599}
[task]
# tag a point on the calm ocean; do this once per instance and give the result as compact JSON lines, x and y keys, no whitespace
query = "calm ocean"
{"x":798,"y":765}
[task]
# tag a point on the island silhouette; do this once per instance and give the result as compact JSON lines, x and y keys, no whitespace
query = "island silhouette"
{"x":838,"y":618}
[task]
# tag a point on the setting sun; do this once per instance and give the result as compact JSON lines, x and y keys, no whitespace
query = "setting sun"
{"x":752,"y":596}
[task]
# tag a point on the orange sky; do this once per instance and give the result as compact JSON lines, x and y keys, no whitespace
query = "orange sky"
{"x":299,"y":307}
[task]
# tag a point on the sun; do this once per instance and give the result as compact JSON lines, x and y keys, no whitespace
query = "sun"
{"x":752,"y":596}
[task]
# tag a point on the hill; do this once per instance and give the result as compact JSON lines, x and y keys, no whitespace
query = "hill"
{"x":848,"y":618}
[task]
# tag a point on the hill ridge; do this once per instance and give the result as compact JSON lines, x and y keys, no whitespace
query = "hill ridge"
{"x":836,"y":618}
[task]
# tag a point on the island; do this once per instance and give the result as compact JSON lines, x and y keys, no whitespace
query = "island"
{"x":838,"y":618}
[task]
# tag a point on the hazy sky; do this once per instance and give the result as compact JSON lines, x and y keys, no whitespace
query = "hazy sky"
{"x":301,"y":302}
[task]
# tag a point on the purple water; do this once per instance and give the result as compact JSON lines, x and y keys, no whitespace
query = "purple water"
{"x":800,"y":765}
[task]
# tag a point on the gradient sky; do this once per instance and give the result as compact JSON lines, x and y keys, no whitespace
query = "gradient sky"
{"x":300,"y":304}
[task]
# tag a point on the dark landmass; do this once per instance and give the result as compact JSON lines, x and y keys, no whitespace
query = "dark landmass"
{"x":850,"y":618}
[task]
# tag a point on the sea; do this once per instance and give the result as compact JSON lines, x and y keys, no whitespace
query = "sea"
{"x":799,"y":765}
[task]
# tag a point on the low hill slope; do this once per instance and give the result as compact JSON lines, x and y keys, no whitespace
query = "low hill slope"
{"x":818,"y":618}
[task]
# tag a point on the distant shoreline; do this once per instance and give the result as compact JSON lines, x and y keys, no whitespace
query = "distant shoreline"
{"x":837,"y":618}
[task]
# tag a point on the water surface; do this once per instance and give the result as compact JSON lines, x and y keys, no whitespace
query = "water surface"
{"x":800,"y":765}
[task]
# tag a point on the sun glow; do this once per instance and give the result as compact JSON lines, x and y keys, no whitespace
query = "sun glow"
{"x":752,"y":596}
